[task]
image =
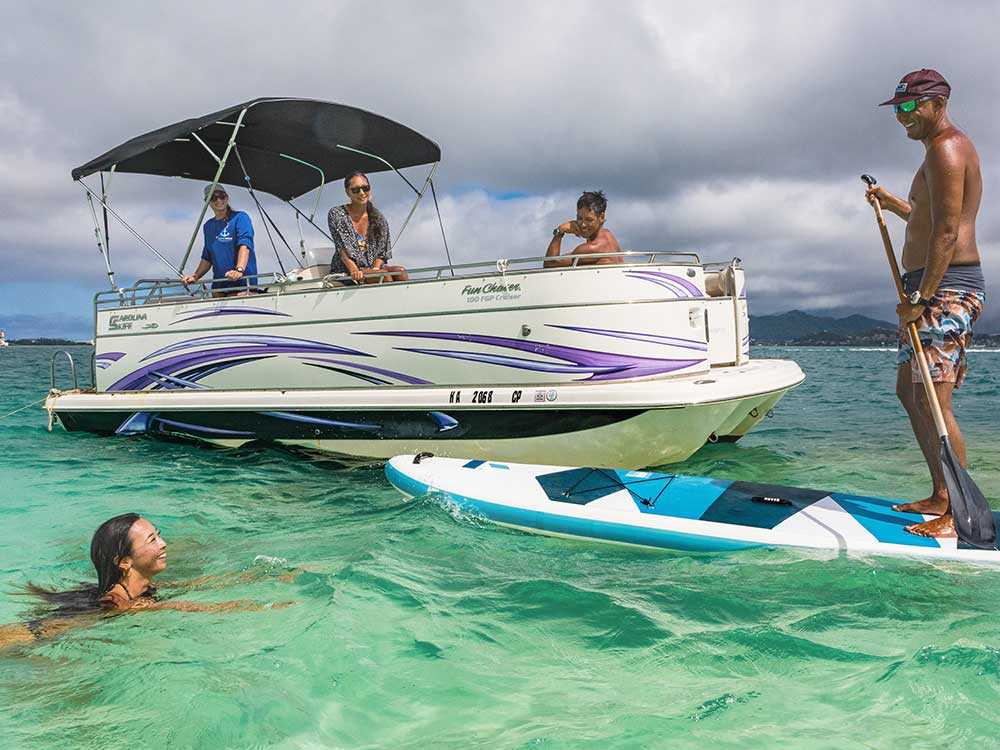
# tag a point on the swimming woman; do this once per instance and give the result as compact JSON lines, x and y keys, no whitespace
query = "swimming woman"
{"x":128,"y":552}
{"x":361,"y":235}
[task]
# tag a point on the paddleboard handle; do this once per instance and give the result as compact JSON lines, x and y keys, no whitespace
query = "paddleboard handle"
{"x":770,"y":500}
{"x":421,"y":456}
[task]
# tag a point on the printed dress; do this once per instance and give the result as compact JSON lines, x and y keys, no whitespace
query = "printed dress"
{"x":363,"y":253}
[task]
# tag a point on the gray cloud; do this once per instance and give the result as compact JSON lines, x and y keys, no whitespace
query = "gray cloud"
{"x":732,"y":129}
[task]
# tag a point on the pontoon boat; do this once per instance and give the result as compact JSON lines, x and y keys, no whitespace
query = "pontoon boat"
{"x":630,"y":364}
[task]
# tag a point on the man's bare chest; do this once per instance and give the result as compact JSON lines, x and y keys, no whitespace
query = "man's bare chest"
{"x":919,"y":197}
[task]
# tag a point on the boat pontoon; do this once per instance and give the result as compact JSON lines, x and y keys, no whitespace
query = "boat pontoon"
{"x":630,"y":364}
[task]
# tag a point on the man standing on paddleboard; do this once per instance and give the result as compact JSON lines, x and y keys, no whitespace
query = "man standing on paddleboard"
{"x":942,"y":273}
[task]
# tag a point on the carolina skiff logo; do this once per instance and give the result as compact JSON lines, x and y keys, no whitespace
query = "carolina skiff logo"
{"x":124,"y":322}
{"x":491,"y":292}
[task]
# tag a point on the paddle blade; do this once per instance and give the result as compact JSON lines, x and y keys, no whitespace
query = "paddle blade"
{"x":974,"y":521}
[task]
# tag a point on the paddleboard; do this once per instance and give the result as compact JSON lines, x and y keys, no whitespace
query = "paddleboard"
{"x":671,"y":510}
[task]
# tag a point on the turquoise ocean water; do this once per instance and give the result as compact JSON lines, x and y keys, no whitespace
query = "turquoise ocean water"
{"x":417,"y":628}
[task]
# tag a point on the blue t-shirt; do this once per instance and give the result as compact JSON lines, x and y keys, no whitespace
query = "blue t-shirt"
{"x":223,"y":239}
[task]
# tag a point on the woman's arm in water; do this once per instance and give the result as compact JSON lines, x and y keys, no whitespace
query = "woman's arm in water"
{"x":232,"y":579}
{"x":237,"y":605}
{"x":21,"y":634}
{"x":18,"y":634}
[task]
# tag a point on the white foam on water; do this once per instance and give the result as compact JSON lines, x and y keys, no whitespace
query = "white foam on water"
{"x":268,"y":560}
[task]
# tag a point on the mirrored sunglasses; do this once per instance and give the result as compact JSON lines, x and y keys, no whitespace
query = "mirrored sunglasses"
{"x":908,"y":106}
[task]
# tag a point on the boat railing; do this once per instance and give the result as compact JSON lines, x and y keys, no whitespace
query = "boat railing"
{"x":172,"y":291}
{"x":72,"y":369}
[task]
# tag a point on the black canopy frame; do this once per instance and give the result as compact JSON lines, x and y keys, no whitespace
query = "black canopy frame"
{"x":288,"y":146}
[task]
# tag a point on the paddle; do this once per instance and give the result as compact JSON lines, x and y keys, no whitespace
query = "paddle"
{"x":973,"y":518}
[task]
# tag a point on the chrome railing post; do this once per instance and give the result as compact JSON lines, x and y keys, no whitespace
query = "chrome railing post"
{"x":52,"y":369}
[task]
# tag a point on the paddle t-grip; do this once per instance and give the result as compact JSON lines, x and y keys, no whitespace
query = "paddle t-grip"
{"x":868,"y":179}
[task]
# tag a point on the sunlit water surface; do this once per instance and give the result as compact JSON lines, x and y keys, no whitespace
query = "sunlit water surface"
{"x":417,"y":628}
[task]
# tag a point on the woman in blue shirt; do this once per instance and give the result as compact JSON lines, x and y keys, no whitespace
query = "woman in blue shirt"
{"x":228,"y":247}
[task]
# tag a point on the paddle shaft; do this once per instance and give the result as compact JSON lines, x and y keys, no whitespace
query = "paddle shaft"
{"x":918,"y":350}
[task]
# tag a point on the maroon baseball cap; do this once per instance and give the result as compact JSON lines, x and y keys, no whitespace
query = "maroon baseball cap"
{"x":919,"y":83}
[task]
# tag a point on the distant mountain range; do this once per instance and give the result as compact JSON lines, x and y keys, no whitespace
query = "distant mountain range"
{"x":799,"y":328}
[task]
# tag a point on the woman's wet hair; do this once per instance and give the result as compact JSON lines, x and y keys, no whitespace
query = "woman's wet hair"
{"x":376,"y":221}
{"x":108,"y":546}
{"x":595,"y":200}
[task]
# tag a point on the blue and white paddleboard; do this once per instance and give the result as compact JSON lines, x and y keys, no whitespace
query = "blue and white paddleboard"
{"x":672,"y":511}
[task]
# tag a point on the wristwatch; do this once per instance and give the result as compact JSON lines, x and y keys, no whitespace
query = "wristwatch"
{"x":916,"y":299}
{"x":557,"y":233}
{"x":239,"y":268}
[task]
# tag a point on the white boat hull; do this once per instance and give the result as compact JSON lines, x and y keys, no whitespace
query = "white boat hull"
{"x":626,"y":424}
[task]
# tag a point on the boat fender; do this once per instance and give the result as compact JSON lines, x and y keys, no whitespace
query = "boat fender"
{"x":421,"y":456}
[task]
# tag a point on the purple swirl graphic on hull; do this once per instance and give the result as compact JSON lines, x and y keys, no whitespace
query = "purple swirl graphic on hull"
{"x":273,"y":344}
{"x":518,"y":362}
{"x":682,"y":288}
{"x":409,"y":379}
{"x":105,"y":360}
{"x":228,"y":351}
{"x":152,"y":423}
{"x":231,"y":311}
{"x":306,"y":418}
{"x":201,"y":428}
{"x":600,"y":365}
{"x":647,"y":337}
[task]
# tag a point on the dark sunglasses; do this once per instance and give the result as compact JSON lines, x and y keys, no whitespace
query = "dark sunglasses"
{"x":219,"y":196}
{"x":361,"y":189}
{"x":908,"y":106}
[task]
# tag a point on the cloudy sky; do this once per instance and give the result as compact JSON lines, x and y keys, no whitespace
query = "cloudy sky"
{"x":730,"y":129}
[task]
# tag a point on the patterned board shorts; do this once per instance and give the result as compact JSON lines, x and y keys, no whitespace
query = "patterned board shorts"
{"x":945,"y":330}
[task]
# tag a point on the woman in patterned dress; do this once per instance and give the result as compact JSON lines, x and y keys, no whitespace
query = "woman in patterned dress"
{"x":361,"y":235}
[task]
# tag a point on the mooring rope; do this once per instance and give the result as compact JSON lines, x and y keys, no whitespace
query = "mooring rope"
{"x":26,"y":406}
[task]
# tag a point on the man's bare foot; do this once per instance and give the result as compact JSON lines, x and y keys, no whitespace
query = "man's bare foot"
{"x":937,"y":527}
{"x":931,"y":506}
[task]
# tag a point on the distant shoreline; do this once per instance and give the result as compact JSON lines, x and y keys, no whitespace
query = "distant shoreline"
{"x":990,"y":341}
{"x":47,"y":342}
{"x":861,"y":347}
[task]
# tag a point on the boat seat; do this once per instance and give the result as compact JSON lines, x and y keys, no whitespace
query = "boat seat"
{"x":310,"y":273}
{"x":721,"y":283}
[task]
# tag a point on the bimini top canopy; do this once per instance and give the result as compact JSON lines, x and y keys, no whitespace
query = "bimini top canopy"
{"x":275,"y":138}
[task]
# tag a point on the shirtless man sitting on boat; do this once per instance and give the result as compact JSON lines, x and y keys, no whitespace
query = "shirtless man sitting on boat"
{"x":942,"y":273}
{"x":589,"y":225}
